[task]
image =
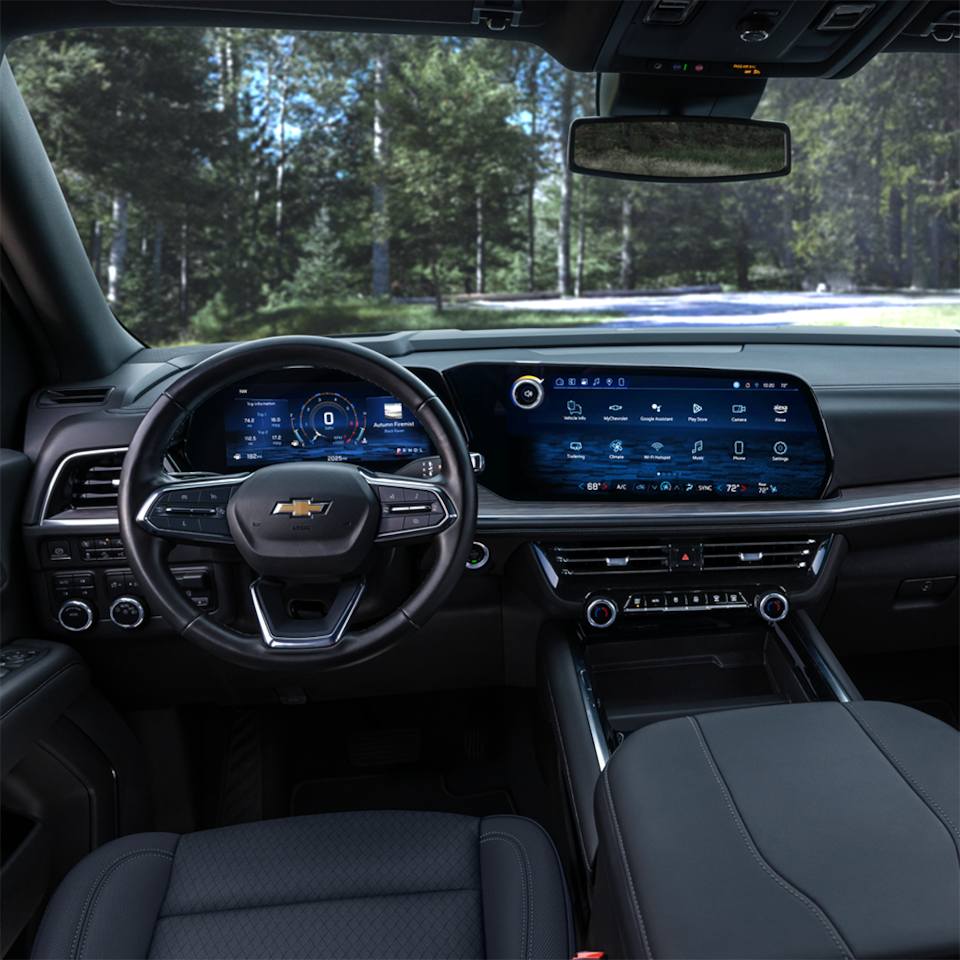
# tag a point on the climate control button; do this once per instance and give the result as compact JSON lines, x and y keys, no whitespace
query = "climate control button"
{"x":601,"y":612}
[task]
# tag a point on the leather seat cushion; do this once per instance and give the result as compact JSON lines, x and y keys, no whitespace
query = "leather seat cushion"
{"x":376,"y":884}
{"x":801,"y":830}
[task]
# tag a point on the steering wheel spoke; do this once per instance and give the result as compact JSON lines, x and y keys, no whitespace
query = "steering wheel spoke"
{"x":410,"y":509}
{"x":280,"y":631}
{"x":194,"y":511}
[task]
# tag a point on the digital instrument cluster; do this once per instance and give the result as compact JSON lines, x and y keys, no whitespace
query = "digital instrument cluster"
{"x":288,"y":419}
{"x":644,"y":434}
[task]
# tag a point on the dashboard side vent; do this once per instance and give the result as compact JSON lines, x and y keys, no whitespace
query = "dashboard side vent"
{"x":88,"y":396}
{"x":95,"y":485}
{"x":767,"y":554}
{"x":607,"y":559}
{"x":85,"y":486}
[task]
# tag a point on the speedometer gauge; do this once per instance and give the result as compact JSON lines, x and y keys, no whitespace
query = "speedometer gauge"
{"x":329,"y":420}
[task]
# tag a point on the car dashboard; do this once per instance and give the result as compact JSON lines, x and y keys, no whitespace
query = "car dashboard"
{"x":688,"y":476}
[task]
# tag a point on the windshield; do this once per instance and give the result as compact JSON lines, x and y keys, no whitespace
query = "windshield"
{"x":232,"y":184}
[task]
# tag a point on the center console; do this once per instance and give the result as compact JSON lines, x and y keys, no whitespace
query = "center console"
{"x":659,"y":628}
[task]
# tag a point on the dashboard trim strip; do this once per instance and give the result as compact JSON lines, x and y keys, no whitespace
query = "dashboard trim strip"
{"x":494,"y":510}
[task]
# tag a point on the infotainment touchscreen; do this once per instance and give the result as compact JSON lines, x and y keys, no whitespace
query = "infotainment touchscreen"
{"x":603,"y":432}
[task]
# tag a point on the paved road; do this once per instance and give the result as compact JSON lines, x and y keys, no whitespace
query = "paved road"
{"x":734,"y":308}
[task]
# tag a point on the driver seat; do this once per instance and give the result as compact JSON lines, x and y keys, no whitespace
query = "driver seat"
{"x":372,"y":884}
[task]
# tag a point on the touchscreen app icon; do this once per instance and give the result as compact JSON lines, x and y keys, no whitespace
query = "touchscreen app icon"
{"x":393,"y":411}
{"x":576,"y":445}
{"x":780,"y":408}
{"x":574,"y":408}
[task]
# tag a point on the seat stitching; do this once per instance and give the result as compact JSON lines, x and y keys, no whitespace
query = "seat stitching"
{"x":806,"y":901}
{"x":306,"y":903}
{"x":529,"y":880}
{"x":566,"y":767}
{"x":523,"y":890}
{"x":623,"y":855}
{"x":900,"y":767}
{"x":97,"y":888}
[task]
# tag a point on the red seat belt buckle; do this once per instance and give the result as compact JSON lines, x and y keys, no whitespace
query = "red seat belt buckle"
{"x":588,"y":955}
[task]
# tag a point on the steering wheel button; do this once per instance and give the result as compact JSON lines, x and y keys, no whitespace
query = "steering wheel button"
{"x":391,"y":494}
{"x":186,"y":524}
{"x":391,"y":524}
{"x":214,"y":494}
{"x":161,"y":522}
{"x":415,"y":522}
{"x":417,"y":496}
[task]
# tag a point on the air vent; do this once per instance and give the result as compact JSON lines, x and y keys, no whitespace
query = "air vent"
{"x":607,"y":559}
{"x":846,"y":16}
{"x":85,"y":486}
{"x":765,"y":554}
{"x":96,"y":485}
{"x":88,"y":396}
{"x":669,"y":13}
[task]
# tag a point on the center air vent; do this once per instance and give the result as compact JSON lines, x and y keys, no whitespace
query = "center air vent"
{"x":767,"y":554}
{"x":607,"y":559}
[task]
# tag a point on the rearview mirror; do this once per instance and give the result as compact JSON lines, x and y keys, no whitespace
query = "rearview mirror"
{"x":678,"y":149}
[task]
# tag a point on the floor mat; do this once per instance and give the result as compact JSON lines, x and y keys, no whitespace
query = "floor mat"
{"x":407,"y":790}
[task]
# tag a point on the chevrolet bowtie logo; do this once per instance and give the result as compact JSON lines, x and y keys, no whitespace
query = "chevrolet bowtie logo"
{"x":302,"y":508}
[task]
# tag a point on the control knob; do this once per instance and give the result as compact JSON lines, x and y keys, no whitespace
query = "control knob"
{"x":772,"y":606}
{"x":527,"y":393}
{"x":601,"y":612}
{"x":127,"y":612}
{"x":75,"y":615}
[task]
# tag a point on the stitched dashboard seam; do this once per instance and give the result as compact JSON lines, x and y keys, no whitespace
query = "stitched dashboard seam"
{"x":76,"y":947}
{"x":623,"y":856}
{"x":900,"y":768}
{"x":523,"y":889}
{"x":767,"y":869}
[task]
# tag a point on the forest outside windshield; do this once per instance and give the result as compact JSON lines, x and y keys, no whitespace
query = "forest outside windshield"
{"x":231,"y":184}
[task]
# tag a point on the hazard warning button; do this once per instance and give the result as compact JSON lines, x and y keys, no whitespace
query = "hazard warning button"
{"x":686,"y":556}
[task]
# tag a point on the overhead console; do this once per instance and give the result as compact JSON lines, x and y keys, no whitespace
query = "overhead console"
{"x":789,"y":38}
{"x":563,"y":433}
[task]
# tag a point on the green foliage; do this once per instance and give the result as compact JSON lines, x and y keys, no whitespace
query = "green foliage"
{"x":241,"y":167}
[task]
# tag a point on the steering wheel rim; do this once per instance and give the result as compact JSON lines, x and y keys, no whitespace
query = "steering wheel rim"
{"x":143,"y":476}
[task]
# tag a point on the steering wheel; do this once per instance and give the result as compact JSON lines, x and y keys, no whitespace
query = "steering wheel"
{"x":313,"y":522}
